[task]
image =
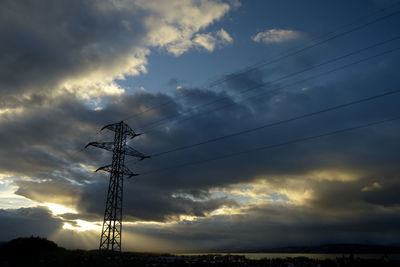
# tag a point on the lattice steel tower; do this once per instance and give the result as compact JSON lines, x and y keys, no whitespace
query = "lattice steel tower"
{"x":110,"y":240}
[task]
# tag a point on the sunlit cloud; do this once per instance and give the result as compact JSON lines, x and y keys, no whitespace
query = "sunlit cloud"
{"x":224,"y":210}
{"x":286,"y":190}
{"x":373,"y":187}
{"x":82,"y":226}
{"x":261,"y":191}
{"x":149,"y":223}
{"x":58,"y":209}
{"x":187,"y":218}
{"x":11,"y":111}
{"x":210,"y":40}
{"x":276,"y":36}
{"x":177,"y":22}
{"x":93,"y":89}
{"x":9,"y":200}
{"x":334,"y":175}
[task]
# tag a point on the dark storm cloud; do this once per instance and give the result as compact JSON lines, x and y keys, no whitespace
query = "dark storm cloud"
{"x":52,"y":128}
{"x":54,"y":191}
{"x":41,"y":144}
{"x":386,"y":195}
{"x":238,"y":82}
{"x":152,"y":196}
{"x":149,"y":203}
{"x":267,"y":226}
{"x":49,"y":41}
{"x":346,"y":152}
{"x":27,"y":222}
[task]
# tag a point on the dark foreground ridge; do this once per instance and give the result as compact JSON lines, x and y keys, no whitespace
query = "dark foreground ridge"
{"x":35,"y":251}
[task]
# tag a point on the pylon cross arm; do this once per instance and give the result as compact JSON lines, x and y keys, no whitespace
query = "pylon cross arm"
{"x":110,"y":147}
{"x":127,"y":131}
{"x":104,"y":145}
{"x":125,"y":170}
{"x":133,"y":152}
{"x":129,"y":173}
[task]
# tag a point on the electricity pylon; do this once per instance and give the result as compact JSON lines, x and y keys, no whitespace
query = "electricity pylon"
{"x":110,"y":240}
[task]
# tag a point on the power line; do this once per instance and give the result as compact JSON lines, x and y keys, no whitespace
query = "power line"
{"x":156,"y":123}
{"x":82,"y":147}
{"x":282,"y":57}
{"x":280,"y":88}
{"x":288,"y":54}
{"x":359,"y":101}
{"x":295,"y":52}
{"x":294,"y":141}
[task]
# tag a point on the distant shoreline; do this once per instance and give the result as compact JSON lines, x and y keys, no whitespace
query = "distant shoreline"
{"x":321,"y":249}
{"x":316,"y":256}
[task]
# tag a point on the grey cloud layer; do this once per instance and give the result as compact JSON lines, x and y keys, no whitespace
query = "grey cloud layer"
{"x":27,"y":222}
{"x":165,"y":195}
{"x":50,"y":41}
{"x":39,"y":145}
{"x":274,"y":226}
{"x":53,"y":44}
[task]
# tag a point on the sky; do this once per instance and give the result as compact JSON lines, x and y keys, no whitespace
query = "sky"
{"x":270,"y":123}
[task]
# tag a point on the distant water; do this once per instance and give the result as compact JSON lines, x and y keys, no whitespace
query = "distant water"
{"x":258,"y":256}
